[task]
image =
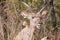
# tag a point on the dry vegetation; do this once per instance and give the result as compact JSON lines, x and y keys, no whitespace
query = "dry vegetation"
{"x":11,"y":23}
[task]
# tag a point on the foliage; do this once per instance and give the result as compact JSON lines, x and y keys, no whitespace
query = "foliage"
{"x":14,"y":20}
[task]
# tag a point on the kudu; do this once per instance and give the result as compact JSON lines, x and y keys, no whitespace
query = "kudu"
{"x":27,"y":32}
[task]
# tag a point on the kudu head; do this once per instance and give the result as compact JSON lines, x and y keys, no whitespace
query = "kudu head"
{"x":33,"y":17}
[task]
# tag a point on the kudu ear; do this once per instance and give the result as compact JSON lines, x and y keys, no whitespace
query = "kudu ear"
{"x":23,"y":14}
{"x":28,"y":7}
{"x":26,"y":14}
{"x":44,"y":12}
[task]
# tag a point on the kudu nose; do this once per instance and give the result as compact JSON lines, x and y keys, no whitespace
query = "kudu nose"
{"x":39,"y":25}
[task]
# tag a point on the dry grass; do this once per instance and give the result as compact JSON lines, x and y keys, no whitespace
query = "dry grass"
{"x":11,"y":23}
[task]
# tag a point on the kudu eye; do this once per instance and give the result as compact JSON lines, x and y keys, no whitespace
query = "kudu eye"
{"x":32,"y":17}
